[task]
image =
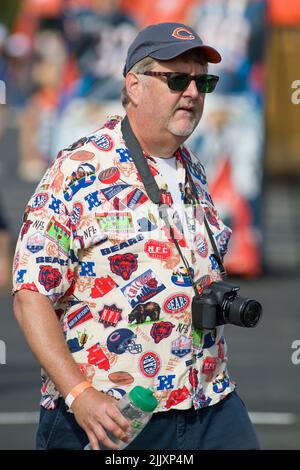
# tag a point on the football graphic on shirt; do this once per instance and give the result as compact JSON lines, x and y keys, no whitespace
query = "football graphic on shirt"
{"x":121,"y":378}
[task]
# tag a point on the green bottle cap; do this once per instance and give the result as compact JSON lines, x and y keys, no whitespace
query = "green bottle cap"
{"x":143,"y":398}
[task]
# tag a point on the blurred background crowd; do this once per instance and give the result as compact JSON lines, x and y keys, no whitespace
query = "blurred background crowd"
{"x":61,"y":67}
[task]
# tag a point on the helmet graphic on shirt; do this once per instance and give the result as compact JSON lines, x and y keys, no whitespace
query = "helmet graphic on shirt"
{"x":123,"y":340}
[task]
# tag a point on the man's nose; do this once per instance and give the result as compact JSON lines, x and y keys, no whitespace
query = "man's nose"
{"x":191,"y":90}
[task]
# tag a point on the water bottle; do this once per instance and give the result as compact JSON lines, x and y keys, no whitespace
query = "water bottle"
{"x":137,"y":407}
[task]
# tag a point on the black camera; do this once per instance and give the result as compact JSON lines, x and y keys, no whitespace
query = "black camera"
{"x":220,"y":304}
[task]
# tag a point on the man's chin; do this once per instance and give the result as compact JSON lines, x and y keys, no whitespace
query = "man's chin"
{"x":182,"y":130}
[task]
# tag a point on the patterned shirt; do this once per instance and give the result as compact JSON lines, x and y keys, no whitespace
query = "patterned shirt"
{"x":94,"y":244}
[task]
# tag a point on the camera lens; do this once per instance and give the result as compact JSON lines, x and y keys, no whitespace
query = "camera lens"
{"x":243,"y":312}
{"x":251,"y":313}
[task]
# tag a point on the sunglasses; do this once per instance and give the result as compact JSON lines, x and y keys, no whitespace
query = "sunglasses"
{"x":180,"y":81}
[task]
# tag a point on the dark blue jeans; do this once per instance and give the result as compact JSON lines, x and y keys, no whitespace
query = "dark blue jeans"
{"x":224,"y":426}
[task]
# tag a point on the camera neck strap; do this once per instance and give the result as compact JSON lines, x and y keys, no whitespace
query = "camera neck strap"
{"x":153,"y":191}
{"x":154,"y":194}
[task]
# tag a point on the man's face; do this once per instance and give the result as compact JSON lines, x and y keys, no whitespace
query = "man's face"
{"x":177,"y":112}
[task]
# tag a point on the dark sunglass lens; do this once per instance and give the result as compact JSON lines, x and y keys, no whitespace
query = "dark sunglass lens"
{"x":206,"y":84}
{"x":178,"y":82}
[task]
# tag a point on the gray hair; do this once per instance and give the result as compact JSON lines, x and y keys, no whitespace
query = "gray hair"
{"x":143,"y":65}
{"x":148,"y":63}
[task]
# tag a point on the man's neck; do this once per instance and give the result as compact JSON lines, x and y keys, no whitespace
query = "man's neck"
{"x":163,"y":145}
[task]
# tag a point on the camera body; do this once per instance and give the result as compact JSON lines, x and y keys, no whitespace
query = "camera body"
{"x":220,"y":304}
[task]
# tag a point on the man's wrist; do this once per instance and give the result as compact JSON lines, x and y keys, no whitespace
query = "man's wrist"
{"x":76,"y":391}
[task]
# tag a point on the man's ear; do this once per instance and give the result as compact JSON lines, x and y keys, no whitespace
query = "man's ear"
{"x":133,"y":85}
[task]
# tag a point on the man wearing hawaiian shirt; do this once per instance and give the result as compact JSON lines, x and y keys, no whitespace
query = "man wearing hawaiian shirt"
{"x":101,"y":291}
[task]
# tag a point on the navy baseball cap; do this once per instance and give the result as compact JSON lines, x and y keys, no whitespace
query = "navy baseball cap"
{"x":164,"y":41}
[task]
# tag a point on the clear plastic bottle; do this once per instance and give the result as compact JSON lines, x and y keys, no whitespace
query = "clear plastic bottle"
{"x":137,"y":407}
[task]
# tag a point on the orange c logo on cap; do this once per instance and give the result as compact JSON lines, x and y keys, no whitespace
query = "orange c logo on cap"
{"x":183,"y":33}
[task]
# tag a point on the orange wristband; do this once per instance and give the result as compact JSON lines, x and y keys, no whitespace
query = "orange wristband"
{"x":76,"y":391}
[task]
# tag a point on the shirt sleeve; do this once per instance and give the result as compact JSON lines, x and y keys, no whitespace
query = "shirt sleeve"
{"x":45,"y":258}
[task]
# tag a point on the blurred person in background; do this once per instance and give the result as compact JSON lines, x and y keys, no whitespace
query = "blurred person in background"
{"x":230,"y":139}
{"x":77,"y":51}
{"x":16,"y":68}
{"x":84,"y":269}
{"x":147,"y":12}
{"x":97,"y":36}
{"x":32,"y":12}
{"x":36,"y":26}
{"x":37,"y":119}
